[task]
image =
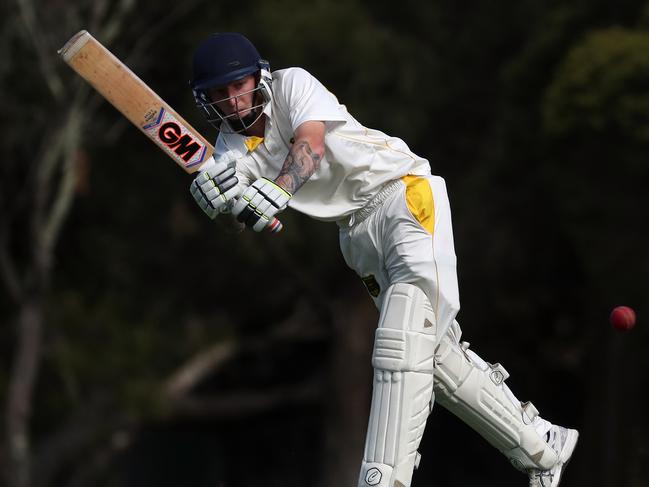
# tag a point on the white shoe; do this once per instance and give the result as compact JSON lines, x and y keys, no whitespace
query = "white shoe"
{"x":563,"y":441}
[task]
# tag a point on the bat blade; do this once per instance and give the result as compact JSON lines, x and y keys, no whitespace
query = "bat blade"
{"x":136,"y":101}
{"x":140,"y":104}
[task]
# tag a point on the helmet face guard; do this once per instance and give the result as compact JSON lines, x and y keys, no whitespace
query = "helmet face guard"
{"x":234,"y":122}
{"x":221,"y":60}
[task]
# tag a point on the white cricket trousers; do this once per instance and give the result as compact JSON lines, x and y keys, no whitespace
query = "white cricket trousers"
{"x":406,"y":237}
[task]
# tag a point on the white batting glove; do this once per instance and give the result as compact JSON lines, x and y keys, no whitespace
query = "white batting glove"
{"x":216,"y":186}
{"x":259,"y":204}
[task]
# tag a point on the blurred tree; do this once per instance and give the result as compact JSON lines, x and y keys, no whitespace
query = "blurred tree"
{"x":43,"y":135}
{"x":45,"y":119}
{"x":601,"y":87}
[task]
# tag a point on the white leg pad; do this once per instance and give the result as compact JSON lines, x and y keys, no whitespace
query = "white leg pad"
{"x":402,"y":398}
{"x":475,"y":391}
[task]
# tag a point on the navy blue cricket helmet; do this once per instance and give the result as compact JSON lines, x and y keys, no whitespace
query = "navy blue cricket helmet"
{"x":221,"y":59}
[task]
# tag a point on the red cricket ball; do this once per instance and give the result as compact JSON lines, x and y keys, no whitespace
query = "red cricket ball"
{"x":622,"y":318}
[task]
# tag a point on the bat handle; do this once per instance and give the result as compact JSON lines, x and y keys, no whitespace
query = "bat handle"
{"x":275,"y":226}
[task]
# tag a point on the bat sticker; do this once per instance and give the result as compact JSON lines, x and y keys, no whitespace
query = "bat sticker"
{"x":171,"y":135}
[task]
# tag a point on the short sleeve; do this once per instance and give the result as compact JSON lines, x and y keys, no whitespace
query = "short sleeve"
{"x":308,"y":100}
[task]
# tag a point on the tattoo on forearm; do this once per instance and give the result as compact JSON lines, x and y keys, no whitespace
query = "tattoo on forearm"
{"x":299,"y":165}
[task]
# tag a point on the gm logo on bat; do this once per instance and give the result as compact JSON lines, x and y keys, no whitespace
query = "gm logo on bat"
{"x":172,"y":136}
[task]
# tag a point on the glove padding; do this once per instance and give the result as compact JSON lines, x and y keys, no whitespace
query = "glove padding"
{"x":259,"y":204}
{"x":216,"y":185}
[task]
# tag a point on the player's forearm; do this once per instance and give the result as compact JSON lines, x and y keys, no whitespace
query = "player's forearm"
{"x":302,"y":161}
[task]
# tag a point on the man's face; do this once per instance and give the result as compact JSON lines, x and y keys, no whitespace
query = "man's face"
{"x":235,"y":98}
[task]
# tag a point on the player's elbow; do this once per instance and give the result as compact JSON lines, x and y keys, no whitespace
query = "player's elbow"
{"x":317,"y":149}
{"x":311,"y":136}
{"x":310,"y":149}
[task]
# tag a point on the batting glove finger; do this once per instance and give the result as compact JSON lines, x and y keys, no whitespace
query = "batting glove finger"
{"x":215,"y":187}
{"x":259,"y":204}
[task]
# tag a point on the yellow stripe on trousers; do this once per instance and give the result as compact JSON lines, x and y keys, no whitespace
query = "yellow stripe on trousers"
{"x":419,"y":198}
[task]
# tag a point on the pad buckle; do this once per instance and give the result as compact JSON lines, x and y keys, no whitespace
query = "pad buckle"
{"x":498,"y":374}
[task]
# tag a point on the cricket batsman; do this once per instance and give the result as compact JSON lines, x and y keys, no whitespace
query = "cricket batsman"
{"x":285,"y":141}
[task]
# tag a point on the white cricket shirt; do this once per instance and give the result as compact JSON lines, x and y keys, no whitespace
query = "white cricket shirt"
{"x":357,"y":162}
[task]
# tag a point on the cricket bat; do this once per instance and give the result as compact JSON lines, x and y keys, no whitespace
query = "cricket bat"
{"x":140,"y":104}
